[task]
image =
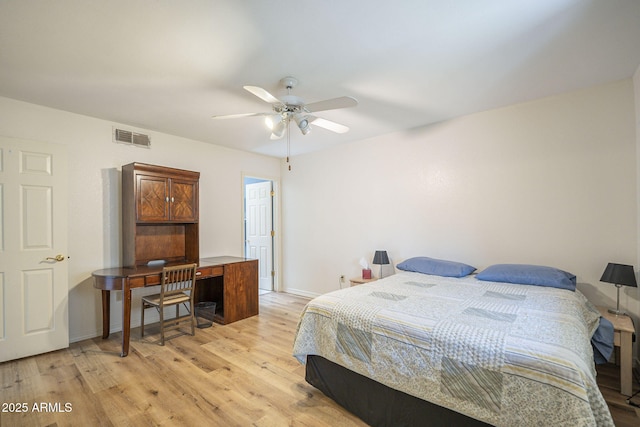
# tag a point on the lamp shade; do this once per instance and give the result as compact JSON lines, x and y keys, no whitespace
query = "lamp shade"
{"x":380,"y":258}
{"x":619,"y":274}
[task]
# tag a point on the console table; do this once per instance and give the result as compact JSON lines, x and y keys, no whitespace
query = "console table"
{"x":232,"y":282}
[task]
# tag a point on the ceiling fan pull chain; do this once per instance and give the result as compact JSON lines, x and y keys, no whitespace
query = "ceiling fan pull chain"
{"x":288,"y":142}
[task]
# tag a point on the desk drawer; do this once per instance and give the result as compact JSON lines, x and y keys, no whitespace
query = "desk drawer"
{"x":136,"y":282}
{"x":210,"y":272}
{"x":153,"y":280}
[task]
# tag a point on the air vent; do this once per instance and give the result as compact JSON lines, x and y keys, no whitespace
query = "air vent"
{"x":132,"y":138}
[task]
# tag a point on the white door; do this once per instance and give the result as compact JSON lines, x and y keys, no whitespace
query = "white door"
{"x":259,"y":227}
{"x":33,"y":227}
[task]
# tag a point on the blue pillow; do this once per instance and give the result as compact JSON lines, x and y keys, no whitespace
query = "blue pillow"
{"x":436,"y":267}
{"x":525,"y":274}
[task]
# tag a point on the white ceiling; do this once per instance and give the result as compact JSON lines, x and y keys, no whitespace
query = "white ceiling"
{"x":169,"y":65}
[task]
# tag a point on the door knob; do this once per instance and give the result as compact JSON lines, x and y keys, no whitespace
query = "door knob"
{"x":57,"y":258}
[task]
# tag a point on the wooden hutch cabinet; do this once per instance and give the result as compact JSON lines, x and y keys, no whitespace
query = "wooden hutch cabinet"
{"x":160,"y":222}
{"x":163,"y":199}
{"x":159,"y":214}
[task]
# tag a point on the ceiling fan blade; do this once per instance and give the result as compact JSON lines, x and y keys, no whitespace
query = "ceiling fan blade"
{"x":263,"y":94}
{"x":332,"y":104}
{"x":329,"y":125}
{"x":235,"y":116}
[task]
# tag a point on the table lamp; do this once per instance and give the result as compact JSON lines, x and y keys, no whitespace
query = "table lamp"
{"x":620,"y":275}
{"x":380,"y":258}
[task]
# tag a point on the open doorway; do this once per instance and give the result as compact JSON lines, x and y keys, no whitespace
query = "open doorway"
{"x":259,"y":235}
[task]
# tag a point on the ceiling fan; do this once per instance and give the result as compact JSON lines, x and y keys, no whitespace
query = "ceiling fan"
{"x":292,"y":108}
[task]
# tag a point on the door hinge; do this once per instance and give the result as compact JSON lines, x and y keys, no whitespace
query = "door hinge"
{"x":273,"y":233}
{"x":273,"y":273}
{"x":273,"y":193}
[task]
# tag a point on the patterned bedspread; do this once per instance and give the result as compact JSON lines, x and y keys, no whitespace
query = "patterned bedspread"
{"x":509,"y":355}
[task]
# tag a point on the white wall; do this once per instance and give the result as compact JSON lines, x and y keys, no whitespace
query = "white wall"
{"x":549,"y":182}
{"x":94,"y":196}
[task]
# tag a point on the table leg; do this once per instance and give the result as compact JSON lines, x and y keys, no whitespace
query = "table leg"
{"x":626,"y":356}
{"x":106,"y":314}
{"x":126,"y":318}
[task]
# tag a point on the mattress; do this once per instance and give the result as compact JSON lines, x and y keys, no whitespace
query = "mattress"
{"x":500,"y":353}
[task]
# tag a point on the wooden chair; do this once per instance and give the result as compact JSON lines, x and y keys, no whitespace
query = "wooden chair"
{"x":176,"y":287}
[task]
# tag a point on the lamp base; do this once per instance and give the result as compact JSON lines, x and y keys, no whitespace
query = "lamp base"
{"x":617,"y":310}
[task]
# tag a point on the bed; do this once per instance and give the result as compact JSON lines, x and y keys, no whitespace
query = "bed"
{"x":423,"y":349}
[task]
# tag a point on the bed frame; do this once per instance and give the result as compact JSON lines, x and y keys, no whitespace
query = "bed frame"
{"x":375,"y":403}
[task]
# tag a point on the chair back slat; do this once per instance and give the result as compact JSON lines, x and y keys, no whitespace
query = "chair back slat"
{"x":177,"y":279}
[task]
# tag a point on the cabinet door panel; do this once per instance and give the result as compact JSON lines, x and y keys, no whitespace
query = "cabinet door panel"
{"x":152,"y":195}
{"x":184,"y":200}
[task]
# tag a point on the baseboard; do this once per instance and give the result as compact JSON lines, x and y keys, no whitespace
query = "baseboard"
{"x":86,"y":336}
{"x":95,"y":334}
{"x":151,"y":316}
{"x":301,"y":293}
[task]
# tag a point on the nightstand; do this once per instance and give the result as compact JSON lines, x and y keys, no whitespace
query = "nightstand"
{"x":623,"y":338}
{"x":359,"y":280}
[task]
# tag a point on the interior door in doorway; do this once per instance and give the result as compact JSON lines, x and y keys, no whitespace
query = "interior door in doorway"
{"x":259,"y":225}
{"x":33,"y":248}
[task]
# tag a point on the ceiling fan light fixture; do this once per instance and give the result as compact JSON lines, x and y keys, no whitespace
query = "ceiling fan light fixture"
{"x":273,"y":121}
{"x":303,"y":123}
{"x":278,"y":129}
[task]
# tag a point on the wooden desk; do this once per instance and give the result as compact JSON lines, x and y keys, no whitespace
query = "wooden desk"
{"x":234,"y":286}
{"x":623,"y":338}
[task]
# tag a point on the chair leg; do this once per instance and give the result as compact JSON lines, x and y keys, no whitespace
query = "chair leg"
{"x":161,"y":309}
{"x":192,"y":318}
{"x":142,"y":320}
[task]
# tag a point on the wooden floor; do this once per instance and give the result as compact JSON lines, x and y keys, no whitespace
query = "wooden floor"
{"x":240,"y":374}
{"x":624,"y":415}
